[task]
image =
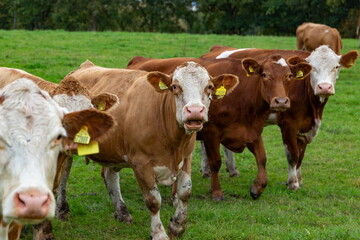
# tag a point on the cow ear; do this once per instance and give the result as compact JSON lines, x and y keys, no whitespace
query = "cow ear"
{"x":295,"y":60}
{"x":160,"y":81}
{"x":97,"y":123}
{"x":301,"y":70}
{"x":104,"y":101}
{"x":224,"y":84}
{"x":347,"y":60}
{"x":251,"y":66}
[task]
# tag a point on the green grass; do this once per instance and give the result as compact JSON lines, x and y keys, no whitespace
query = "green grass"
{"x":326,"y":207}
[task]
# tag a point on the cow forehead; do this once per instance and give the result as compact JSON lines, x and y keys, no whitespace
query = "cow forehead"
{"x":323,"y":58}
{"x":191,"y":75}
{"x":277,"y":66}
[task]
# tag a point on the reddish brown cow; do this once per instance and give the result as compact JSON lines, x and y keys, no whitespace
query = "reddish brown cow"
{"x":237,"y":120}
{"x":300,"y":124}
{"x":157,"y":118}
{"x":309,"y":36}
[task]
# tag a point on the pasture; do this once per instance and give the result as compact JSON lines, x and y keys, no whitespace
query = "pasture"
{"x":326,"y":207}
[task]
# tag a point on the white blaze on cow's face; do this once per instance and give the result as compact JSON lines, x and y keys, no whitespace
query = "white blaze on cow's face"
{"x":325,"y":70}
{"x":30,"y":132}
{"x":73,"y":103}
{"x":190,"y":84}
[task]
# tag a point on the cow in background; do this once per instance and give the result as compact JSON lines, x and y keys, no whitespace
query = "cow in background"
{"x":309,"y":36}
{"x":155,"y":134}
{"x":34,"y":129}
{"x":300,"y":124}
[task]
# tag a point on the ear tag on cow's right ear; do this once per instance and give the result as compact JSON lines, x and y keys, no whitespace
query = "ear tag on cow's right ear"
{"x":299,"y":74}
{"x":82,"y":136}
{"x":220,"y":92}
{"x":87,"y":149}
{"x":162,"y":86}
{"x":102,"y":106}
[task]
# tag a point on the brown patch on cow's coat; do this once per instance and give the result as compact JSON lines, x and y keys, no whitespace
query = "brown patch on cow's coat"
{"x":70,"y":86}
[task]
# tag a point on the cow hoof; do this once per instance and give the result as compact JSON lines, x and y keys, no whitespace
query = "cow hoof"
{"x":293,"y":185}
{"x":124,"y":217}
{"x":233,"y":172}
{"x":63,"y":215}
{"x":218,"y":198}
{"x":255,"y":195}
{"x":175,"y":229}
{"x":205,"y":174}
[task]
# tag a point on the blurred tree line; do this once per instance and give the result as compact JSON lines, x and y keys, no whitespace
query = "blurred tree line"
{"x":244,"y":17}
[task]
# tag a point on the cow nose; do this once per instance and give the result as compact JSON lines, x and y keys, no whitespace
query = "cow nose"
{"x":193,"y":110}
{"x":325,"y":89}
{"x":280,"y":103}
{"x":32,"y":205}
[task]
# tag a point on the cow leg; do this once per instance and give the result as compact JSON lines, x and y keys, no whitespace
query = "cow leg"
{"x":183,"y":191}
{"x":302,"y":147}
{"x":112,"y":182}
{"x":292,"y":155}
{"x":205,"y":169}
{"x":230,"y":163}
{"x":214,"y":159}
{"x":146,"y":179}
{"x":62,"y":205}
{"x":257,"y":148}
{"x":43,"y":231}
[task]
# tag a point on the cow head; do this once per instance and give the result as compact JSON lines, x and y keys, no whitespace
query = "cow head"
{"x":275,"y":74}
{"x":73,"y":96}
{"x":193,"y":89}
{"x":32,"y":129}
{"x":326,"y":66}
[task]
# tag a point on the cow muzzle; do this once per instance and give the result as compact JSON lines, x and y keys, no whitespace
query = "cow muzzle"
{"x":280,"y":104}
{"x":325,"y":90}
{"x":32,"y":205}
{"x":194,"y":118}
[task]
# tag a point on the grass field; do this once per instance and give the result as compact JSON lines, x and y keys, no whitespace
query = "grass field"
{"x":326,"y":207}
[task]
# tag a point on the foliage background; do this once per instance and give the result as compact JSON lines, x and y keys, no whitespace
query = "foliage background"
{"x":244,"y":17}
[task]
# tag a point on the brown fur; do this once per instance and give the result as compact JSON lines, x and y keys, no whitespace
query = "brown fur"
{"x":309,"y":36}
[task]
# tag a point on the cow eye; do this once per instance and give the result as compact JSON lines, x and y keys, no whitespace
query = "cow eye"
{"x":210,"y":87}
{"x":264,"y":75}
{"x":59,"y":137}
{"x":174,"y":87}
{"x":337,"y":67}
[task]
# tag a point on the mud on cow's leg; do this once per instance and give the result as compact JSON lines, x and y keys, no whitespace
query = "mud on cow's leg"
{"x":257,"y":148}
{"x":62,"y":205}
{"x":183,"y":192}
{"x":111,"y":179}
{"x":43,"y":231}
{"x":205,"y":169}
{"x":302,"y":147}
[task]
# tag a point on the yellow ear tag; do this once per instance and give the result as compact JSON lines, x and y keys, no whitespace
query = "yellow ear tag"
{"x":162,"y":86}
{"x":220,"y":92}
{"x":250,"y":70}
{"x":299,"y":74}
{"x":82,"y":136}
{"x":88,"y":149}
{"x":102,"y":106}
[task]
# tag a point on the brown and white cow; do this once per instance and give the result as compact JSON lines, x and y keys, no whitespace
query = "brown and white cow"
{"x":300,"y":124}
{"x":309,"y":36}
{"x":237,"y":120}
{"x":70,"y":94}
{"x":33,"y":131}
{"x":157,"y":119}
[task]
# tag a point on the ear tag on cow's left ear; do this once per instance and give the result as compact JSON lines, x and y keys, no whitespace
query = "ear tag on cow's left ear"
{"x":220,"y":92}
{"x":299,"y":74}
{"x":250,"y":70}
{"x":102,"y":106}
{"x":162,"y":86}
{"x":82,"y":136}
{"x":87,"y":149}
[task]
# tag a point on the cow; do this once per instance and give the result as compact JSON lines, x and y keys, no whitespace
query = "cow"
{"x":301,"y":123}
{"x":309,"y":36}
{"x":157,"y":119}
{"x":71,"y":95}
{"x":34,"y":129}
{"x":237,"y":120}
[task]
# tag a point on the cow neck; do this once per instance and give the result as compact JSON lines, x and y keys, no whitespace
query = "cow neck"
{"x":45,"y":85}
{"x":170,"y":129}
{"x":317,"y":106}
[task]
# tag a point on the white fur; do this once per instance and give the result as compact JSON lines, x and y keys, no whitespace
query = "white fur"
{"x":73,"y":103}
{"x":226,"y":54}
{"x":30,"y":122}
{"x":163,"y":175}
{"x":310,"y":135}
{"x":282,"y":62}
{"x":324,"y":62}
{"x":193,"y":79}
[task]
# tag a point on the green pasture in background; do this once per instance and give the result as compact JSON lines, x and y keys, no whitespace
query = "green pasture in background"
{"x":326,"y":207}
